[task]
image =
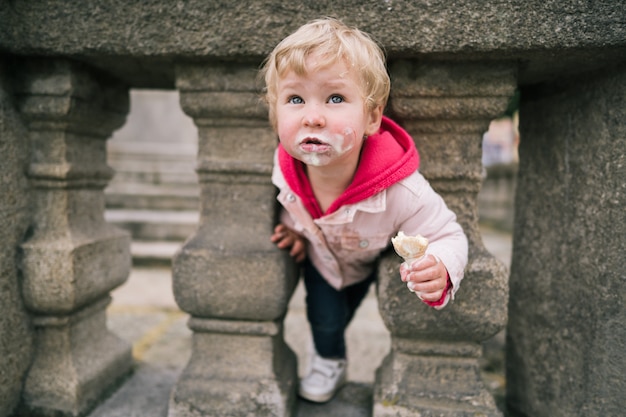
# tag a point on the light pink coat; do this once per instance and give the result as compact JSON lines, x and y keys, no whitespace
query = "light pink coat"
{"x":345,"y":244}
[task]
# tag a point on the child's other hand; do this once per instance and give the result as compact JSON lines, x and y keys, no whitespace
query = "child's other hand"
{"x":285,"y":238}
{"x":427,"y":277}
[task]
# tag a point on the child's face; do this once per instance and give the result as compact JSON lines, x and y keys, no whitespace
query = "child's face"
{"x":321,"y":116}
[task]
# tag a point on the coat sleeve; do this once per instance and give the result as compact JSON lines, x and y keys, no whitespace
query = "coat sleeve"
{"x":426,"y":213}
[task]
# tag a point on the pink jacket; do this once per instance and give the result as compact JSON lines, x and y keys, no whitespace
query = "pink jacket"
{"x":345,"y":242}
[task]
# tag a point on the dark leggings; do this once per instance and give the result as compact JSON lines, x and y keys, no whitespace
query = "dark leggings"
{"x":329,"y":311}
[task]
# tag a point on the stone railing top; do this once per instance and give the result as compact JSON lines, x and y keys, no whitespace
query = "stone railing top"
{"x":139,"y":41}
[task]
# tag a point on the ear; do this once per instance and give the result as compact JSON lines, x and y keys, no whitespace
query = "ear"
{"x":375,"y":117}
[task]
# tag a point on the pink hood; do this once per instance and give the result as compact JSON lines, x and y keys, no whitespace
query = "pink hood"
{"x":387,"y":157}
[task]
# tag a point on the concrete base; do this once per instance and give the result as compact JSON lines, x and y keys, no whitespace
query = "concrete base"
{"x":77,"y":362}
{"x":422,"y":385}
{"x":237,"y":369}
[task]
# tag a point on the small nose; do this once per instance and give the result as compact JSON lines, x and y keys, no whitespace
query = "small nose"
{"x":313,"y":118}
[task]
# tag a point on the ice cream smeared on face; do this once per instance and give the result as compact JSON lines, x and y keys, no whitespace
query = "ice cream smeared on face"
{"x":348,"y":133}
{"x":318,"y":148}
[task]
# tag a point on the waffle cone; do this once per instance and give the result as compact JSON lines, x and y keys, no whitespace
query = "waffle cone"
{"x":409,"y":247}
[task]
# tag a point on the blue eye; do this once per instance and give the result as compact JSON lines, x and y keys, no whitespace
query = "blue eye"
{"x":295,"y":100}
{"x":335,"y":99}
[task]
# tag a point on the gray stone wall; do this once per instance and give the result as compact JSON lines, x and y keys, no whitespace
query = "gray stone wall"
{"x":16,"y":333}
{"x":565,"y":347}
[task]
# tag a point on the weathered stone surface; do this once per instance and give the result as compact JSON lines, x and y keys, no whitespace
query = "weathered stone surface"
{"x":229,"y":268}
{"x":138,"y":42}
{"x":77,"y":361}
{"x":477,"y":313}
{"x":444,"y":386}
{"x":228,"y":275}
{"x":447,"y":107}
{"x":432,"y":368}
{"x":16,"y":334}
{"x":67,"y":275}
{"x":433,"y":364}
{"x":71,"y":258}
{"x":565,"y":346}
{"x":230,"y":283}
{"x":237,"y":368}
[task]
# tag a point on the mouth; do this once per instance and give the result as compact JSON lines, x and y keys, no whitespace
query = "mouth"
{"x":312,"y":141}
{"x":314,"y":145}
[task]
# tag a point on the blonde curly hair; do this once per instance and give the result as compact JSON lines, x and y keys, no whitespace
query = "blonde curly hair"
{"x":331,"y":40}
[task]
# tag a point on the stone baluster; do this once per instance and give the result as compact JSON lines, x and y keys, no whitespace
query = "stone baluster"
{"x":432,"y":368}
{"x":228,"y":276}
{"x":71,"y":258}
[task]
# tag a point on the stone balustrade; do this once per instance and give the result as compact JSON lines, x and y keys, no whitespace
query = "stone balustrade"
{"x":65,"y":71}
{"x":236,"y":285}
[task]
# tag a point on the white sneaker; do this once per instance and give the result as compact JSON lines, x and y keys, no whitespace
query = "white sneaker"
{"x":324,"y":379}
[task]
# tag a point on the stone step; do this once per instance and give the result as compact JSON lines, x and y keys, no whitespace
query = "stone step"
{"x":156,"y":165}
{"x":140,"y":148}
{"x":154,"y":225}
{"x":147,"y":201}
{"x":154,"y":253}
{"x":161,"y":169}
{"x":140,"y":196}
{"x":154,"y":155}
{"x":154,"y":177}
{"x":153,"y":159}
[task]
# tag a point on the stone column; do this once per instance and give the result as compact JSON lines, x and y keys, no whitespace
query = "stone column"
{"x":228,"y":276}
{"x":71,"y":258}
{"x":566,"y":334}
{"x":432,"y":368}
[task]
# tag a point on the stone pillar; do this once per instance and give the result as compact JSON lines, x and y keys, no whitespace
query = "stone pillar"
{"x":566,"y":332}
{"x":71,"y":258}
{"x":228,"y":276}
{"x":16,"y":334}
{"x":432,"y":368}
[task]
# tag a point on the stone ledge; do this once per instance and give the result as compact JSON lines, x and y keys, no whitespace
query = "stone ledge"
{"x":548,"y":37}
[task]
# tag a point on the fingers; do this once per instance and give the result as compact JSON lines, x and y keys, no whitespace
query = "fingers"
{"x":282,"y":237}
{"x":298,"y":250}
{"x":425,"y":269}
{"x":285,"y":242}
{"x":432,"y":292}
{"x":280,"y":232}
{"x":404,"y":271}
{"x":285,"y":238}
{"x":427,"y":278}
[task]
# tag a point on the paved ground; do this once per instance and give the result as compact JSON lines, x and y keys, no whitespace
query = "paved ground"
{"x":144,"y":313}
